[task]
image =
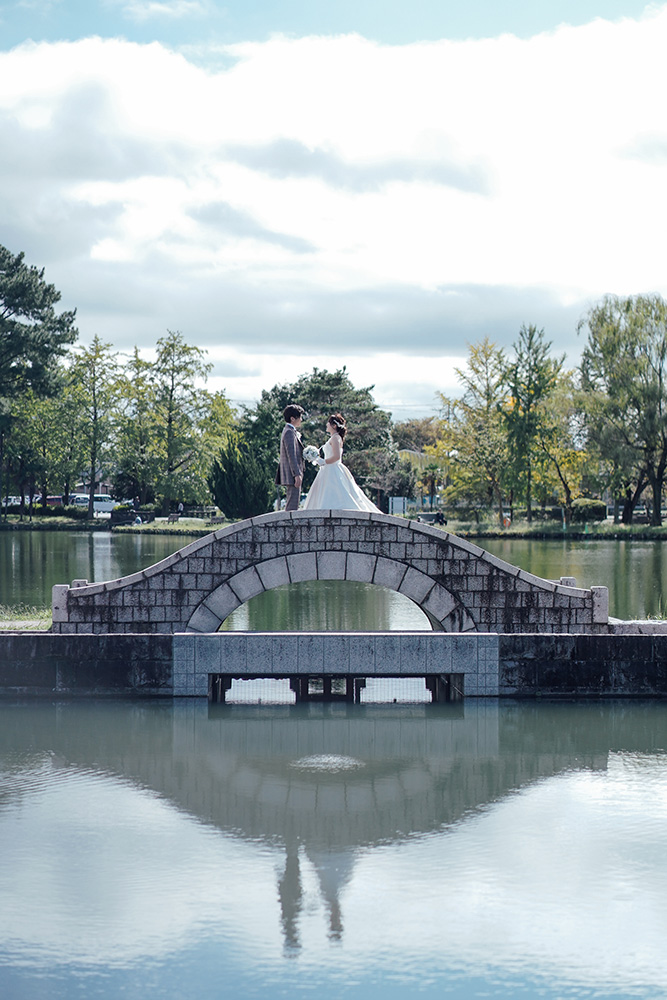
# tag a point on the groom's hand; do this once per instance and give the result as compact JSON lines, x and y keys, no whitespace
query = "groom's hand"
{"x":297,"y":481}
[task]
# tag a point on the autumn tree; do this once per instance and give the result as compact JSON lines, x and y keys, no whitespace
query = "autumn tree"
{"x":472,"y":445}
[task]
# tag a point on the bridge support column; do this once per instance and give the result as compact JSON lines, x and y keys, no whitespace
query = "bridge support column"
{"x":218,"y":686}
{"x":325,"y":688}
{"x":445,"y":687}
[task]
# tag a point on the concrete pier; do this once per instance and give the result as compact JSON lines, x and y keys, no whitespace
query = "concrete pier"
{"x":477,"y":665}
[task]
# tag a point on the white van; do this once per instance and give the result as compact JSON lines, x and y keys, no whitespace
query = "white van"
{"x":102,"y":503}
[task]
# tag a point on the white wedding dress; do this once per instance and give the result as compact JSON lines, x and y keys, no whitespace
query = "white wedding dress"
{"x":335,"y":489}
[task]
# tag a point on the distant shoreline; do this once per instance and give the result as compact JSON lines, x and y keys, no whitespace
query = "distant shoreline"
{"x":197,"y":528}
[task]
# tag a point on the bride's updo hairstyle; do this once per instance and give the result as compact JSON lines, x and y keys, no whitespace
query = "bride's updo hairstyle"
{"x":337,"y":420}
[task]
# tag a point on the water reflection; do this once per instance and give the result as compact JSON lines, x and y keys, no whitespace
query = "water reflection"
{"x":433,"y":848}
{"x":328,"y":606}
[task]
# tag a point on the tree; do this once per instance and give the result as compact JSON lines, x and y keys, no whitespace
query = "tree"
{"x":415,"y":434}
{"x":137,"y":449}
{"x":472,"y":441}
{"x":179,"y":406}
{"x":321,"y":393}
{"x":393,"y":477}
{"x":33,"y":337}
{"x":531,"y":378}
{"x":561,"y":437}
{"x":95,"y":372}
{"x":238,"y":481}
{"x":623,"y":370}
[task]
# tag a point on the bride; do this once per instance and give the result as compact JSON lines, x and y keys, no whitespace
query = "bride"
{"x":334,"y":487}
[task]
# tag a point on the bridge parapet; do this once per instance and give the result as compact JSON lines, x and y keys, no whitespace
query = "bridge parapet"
{"x":458,"y":585}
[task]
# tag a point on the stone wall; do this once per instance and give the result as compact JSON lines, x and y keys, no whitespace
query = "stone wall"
{"x":38,"y":663}
{"x":491,"y":665}
{"x":460,"y":587}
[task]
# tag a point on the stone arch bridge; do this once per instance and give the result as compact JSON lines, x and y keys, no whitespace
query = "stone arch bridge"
{"x":460,"y":587}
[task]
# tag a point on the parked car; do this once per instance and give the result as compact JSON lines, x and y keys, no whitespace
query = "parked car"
{"x":103,"y":503}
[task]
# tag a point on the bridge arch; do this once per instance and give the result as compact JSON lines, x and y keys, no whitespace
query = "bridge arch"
{"x":458,"y":585}
{"x":440,"y":606}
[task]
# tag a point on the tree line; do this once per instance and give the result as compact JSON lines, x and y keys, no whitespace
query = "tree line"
{"x":524,"y":433}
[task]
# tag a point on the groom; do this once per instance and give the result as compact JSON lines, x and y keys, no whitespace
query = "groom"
{"x":290,"y":470}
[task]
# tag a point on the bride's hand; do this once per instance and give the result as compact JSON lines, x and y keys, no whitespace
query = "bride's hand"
{"x":319,"y":461}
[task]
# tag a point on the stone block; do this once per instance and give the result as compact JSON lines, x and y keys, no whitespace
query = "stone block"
{"x":336,"y":653}
{"x":183,"y":653}
{"x":207,"y":650}
{"x":362,"y":654}
{"x":331,"y":565}
{"x":389,"y":573}
{"x":360,"y":566}
{"x":233,"y":652}
{"x":246,"y":584}
{"x":285,"y":654}
{"x":600,"y":604}
{"x":273,"y":572}
{"x":439,"y":603}
{"x":222,"y":602}
{"x":387,"y":652}
{"x":413,"y":653}
{"x":439,"y":653}
{"x":310,"y":649}
{"x":183,"y":685}
{"x":259,"y":648}
{"x":204,"y":620}
{"x":302,"y":566}
{"x":415,"y":585}
{"x":59,"y":602}
{"x":464,"y":654}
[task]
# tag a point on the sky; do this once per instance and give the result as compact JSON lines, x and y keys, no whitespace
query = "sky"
{"x":366,"y":183}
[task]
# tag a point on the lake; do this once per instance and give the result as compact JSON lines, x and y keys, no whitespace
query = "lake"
{"x":31,"y":562}
{"x":188,"y":851}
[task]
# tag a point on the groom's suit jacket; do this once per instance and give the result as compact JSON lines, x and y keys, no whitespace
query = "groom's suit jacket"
{"x":291,"y":456}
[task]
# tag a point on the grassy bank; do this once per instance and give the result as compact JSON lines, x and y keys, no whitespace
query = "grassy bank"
{"x":24,"y":617}
{"x":13,"y":523}
{"x":197,"y":528}
{"x":595,"y":530}
{"x":194,"y":526}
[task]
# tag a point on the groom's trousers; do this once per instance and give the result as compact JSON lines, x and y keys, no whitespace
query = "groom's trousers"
{"x":292,"y":497}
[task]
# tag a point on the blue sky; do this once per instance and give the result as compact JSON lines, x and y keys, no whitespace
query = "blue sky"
{"x":373,"y":184}
{"x":394,"y":22}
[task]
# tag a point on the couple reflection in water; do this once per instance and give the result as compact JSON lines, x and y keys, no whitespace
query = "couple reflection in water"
{"x":334,"y":871}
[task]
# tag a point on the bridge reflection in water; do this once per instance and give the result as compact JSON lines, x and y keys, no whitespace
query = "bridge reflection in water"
{"x":325,"y":782}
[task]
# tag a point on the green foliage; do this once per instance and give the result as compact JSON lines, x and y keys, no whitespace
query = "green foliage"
{"x":321,"y":393}
{"x":179,"y":409}
{"x":415,"y":434}
{"x":239,"y":483}
{"x":624,"y":377}
{"x":472,"y":448}
{"x":531,"y":379}
{"x":389,"y":475}
{"x":32,"y":335}
{"x":584,"y":509}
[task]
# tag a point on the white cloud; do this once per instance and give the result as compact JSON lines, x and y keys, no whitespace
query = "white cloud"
{"x":422,"y":195}
{"x":145,"y":10}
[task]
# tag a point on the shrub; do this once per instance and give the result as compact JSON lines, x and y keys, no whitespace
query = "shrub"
{"x":585,"y":509}
{"x":239,"y":482}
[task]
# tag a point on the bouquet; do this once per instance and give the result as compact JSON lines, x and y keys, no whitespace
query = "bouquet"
{"x":311,"y":453}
